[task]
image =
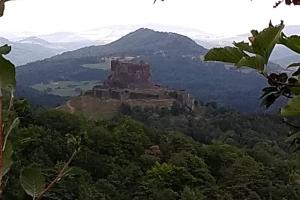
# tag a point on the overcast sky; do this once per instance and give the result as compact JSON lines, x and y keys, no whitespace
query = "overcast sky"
{"x":221,"y":17}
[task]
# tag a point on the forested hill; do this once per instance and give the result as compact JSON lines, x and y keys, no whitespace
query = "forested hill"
{"x":140,"y":42}
{"x":212,"y":154}
{"x":175,"y":62}
{"x":69,"y":65}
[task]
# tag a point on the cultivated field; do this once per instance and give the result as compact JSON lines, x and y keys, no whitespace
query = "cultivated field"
{"x":66,"y":88}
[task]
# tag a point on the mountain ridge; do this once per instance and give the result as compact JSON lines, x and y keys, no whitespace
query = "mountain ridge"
{"x":133,"y":43}
{"x":175,"y":62}
{"x":34,"y":48}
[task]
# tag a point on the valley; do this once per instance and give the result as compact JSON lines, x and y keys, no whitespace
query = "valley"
{"x":129,"y":84}
{"x":175,"y":61}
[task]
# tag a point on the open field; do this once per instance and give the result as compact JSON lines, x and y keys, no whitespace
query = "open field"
{"x":104,"y":66}
{"x":91,"y":107}
{"x":66,"y":88}
{"x":95,"y":108}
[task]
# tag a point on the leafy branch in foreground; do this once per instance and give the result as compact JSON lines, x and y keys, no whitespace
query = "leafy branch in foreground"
{"x":31,"y":179}
{"x":255,"y":54}
{"x":34,"y":182}
{"x":7,"y":81}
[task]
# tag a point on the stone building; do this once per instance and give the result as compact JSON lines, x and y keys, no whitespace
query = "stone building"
{"x":129,"y":75}
{"x":130,"y":81}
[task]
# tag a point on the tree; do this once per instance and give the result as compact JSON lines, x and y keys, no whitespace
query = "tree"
{"x":190,"y":194}
{"x":31,"y":178}
{"x":7,"y":81}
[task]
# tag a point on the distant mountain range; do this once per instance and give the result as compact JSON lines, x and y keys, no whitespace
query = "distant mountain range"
{"x":30,"y":49}
{"x":25,"y":52}
{"x":175,"y":62}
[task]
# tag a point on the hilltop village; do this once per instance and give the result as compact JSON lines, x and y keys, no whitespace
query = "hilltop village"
{"x":129,"y":83}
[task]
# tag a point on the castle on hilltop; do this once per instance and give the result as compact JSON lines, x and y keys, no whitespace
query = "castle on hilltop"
{"x":131,"y":82}
{"x":129,"y":75}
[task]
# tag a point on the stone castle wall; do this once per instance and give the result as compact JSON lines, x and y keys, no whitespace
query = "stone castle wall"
{"x":129,"y":75}
{"x":131,"y":81}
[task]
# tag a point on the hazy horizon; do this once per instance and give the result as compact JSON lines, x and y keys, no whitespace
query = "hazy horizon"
{"x":229,"y":18}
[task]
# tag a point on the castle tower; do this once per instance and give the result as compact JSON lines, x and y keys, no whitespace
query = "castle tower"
{"x":129,"y":75}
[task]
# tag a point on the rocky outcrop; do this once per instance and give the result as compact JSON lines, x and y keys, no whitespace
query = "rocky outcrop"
{"x":153,"y":151}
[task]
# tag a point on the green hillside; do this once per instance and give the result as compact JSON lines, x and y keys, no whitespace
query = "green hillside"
{"x":175,"y":62}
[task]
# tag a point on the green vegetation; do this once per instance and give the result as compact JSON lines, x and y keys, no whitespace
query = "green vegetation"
{"x":255,"y":54}
{"x":7,"y":82}
{"x":210,"y":154}
{"x":149,"y":154}
{"x":31,"y":179}
{"x":104,"y":66}
{"x":65,"y":88}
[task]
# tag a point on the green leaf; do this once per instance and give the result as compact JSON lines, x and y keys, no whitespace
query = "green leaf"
{"x":282,"y":77}
{"x":32,"y":181}
{"x":255,"y":62}
{"x":292,"y":108}
{"x":7,"y":73}
{"x":7,"y":69}
{"x":268,"y":90}
{"x":295,"y":136}
{"x":295,"y":90}
{"x":7,"y":158}
{"x":291,"y":42}
{"x":244,"y":46}
{"x":293,"y":81}
{"x":14,"y":124}
{"x":227,"y":54}
{"x":264,"y":42}
{"x":297,"y":72}
{"x":5,"y":49}
{"x":294,"y":65}
{"x":269,"y":100}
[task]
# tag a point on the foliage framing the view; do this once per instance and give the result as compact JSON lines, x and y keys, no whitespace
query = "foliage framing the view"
{"x":7,"y":80}
{"x":255,"y":54}
{"x":31,"y":178}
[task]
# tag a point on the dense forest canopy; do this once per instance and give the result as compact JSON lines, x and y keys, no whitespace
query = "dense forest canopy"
{"x":213,"y":153}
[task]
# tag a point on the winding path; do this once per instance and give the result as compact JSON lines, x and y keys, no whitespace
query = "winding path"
{"x":72,"y":109}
